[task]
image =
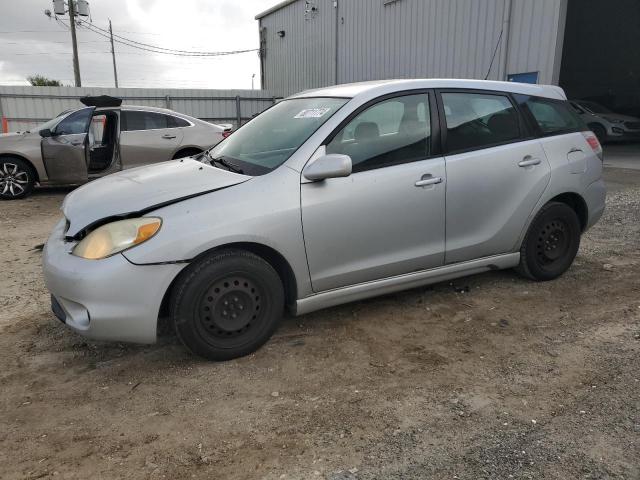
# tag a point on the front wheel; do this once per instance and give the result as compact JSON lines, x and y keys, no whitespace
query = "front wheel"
{"x":551,"y":243}
{"x":227,"y":304}
{"x":17,"y":178}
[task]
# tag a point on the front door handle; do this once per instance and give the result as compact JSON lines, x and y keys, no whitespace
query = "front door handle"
{"x":168,"y":137}
{"x":427,"y":180}
{"x":75,"y":143}
{"x":528,"y":162}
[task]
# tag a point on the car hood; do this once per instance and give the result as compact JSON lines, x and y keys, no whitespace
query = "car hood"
{"x":140,"y":190}
{"x":17,"y":137}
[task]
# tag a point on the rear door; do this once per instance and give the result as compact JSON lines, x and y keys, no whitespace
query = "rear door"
{"x":496,"y":173}
{"x":65,"y":153}
{"x":147,"y":137}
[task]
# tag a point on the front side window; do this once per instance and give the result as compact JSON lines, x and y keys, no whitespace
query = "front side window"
{"x":268,"y":140}
{"x":552,"y":116}
{"x":77,"y":122}
{"x":140,"y":120}
{"x":479,"y":120}
{"x":391,"y":132}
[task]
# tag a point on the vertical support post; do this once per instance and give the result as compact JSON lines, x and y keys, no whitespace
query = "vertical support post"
{"x":113,"y":55}
{"x":238,"y":112}
{"x":167,"y":102}
{"x":74,"y":43}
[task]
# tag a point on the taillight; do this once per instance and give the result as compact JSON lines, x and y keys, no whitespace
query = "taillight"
{"x":226,"y":133}
{"x":594,"y":143}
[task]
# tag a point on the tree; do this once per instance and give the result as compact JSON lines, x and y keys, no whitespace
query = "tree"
{"x":42,"y":81}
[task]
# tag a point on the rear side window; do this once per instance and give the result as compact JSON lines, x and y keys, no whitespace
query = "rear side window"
{"x":140,"y":120}
{"x":479,"y":120}
{"x":178,"y":122}
{"x":552,"y":116}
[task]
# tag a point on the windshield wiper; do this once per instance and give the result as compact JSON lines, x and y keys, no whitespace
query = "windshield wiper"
{"x":232,"y":167}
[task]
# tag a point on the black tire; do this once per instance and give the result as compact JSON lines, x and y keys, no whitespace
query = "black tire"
{"x":551,"y":243}
{"x":187,"y":152}
{"x":17,"y":178}
{"x":600,"y":132}
{"x":227,"y":305}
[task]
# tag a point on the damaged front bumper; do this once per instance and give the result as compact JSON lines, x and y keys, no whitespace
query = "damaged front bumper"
{"x":108,"y":299}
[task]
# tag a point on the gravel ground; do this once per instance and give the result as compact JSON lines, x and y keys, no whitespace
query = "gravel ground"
{"x":511,"y":379}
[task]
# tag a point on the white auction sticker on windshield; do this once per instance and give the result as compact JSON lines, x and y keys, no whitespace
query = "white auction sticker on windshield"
{"x":312,"y":113}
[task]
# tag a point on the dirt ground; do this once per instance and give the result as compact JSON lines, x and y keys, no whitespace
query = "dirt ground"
{"x":511,"y":379}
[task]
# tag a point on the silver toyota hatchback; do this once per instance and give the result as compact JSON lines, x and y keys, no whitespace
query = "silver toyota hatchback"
{"x":330,"y":196}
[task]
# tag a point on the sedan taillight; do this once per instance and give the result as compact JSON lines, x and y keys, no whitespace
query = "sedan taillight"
{"x":226,"y":133}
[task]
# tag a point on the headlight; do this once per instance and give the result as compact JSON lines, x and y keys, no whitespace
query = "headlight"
{"x":116,"y":237}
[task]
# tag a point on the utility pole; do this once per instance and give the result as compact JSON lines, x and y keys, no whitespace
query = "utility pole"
{"x":252,"y":77}
{"x":113,"y":54}
{"x":72,"y":24}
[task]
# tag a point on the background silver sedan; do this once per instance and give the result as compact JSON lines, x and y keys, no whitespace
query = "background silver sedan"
{"x":101,"y":138}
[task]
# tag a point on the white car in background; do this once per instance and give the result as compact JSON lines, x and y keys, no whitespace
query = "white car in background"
{"x":607,"y":125}
{"x":101,"y":138}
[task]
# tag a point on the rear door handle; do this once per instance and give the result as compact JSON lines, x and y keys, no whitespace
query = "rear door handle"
{"x":75,"y":143}
{"x":168,"y":137}
{"x":528,"y":162}
{"x":427,"y":180}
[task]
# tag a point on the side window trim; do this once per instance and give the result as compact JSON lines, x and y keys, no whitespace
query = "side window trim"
{"x":190,"y":123}
{"x":435,"y":125}
{"x":525,"y":132}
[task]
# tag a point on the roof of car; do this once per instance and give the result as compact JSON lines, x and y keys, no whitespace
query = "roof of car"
{"x":145,"y":108}
{"x":381,"y":87}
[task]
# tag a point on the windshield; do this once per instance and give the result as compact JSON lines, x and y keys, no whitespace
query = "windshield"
{"x":594,"y":107}
{"x":54,"y":121}
{"x":268,"y":140}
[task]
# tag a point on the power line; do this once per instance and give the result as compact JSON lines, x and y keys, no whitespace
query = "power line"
{"x":156,"y":49}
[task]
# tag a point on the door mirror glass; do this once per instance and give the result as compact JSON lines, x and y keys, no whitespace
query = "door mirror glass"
{"x":45,"y":132}
{"x":328,"y":166}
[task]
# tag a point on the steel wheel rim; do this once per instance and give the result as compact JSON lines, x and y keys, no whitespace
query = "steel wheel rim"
{"x":553,"y":242}
{"x":230,"y":309}
{"x":13,"y":179}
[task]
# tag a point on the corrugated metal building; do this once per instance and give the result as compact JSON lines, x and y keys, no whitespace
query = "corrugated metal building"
{"x":585,"y":46}
{"x":312,"y":43}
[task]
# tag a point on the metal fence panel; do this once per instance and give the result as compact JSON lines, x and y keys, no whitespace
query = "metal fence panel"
{"x":23,"y":108}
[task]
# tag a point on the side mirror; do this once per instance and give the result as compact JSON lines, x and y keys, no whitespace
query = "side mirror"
{"x":332,"y":165}
{"x":45,"y":132}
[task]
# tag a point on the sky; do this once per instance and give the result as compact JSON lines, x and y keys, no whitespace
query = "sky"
{"x":31,"y":43}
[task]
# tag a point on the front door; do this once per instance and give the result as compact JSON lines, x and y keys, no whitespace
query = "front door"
{"x":387,"y":218}
{"x":65,"y":152}
{"x":147,"y":137}
{"x":495,"y":174}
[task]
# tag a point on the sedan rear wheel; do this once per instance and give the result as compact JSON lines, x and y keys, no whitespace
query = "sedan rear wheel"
{"x":227,"y":304}
{"x":16,"y":179}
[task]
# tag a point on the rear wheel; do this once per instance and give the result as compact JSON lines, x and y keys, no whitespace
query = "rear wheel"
{"x":551,"y":244}
{"x":227,"y":305}
{"x":17,"y":178}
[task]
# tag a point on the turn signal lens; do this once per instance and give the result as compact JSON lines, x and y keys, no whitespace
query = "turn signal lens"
{"x":116,"y":237}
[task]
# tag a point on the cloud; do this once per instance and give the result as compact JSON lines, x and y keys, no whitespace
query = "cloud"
{"x":33,"y":44}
